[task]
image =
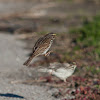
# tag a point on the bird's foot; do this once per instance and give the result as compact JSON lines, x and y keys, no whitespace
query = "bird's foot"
{"x":48,"y":53}
{"x":65,"y":80}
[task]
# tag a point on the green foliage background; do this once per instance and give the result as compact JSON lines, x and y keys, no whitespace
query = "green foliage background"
{"x":89,"y":35}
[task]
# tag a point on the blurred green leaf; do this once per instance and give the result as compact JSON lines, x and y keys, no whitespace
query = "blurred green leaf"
{"x":89,"y":34}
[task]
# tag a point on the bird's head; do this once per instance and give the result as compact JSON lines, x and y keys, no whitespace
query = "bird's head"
{"x":51,"y":35}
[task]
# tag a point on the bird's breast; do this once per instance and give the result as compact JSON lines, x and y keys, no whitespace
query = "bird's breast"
{"x":46,"y":50}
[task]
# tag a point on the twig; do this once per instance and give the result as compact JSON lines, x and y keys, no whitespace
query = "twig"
{"x":28,"y":81}
{"x":56,"y":85}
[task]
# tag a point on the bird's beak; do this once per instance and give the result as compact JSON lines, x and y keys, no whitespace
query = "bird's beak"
{"x":54,"y":34}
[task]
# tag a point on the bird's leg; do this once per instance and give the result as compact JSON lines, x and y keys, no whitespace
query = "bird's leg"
{"x":50,"y":72}
{"x":65,"y":80}
{"x":48,"y":53}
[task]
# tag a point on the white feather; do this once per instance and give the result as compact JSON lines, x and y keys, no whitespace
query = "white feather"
{"x":63,"y":73}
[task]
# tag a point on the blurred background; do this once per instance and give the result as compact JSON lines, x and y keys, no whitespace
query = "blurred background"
{"x":77,"y":25}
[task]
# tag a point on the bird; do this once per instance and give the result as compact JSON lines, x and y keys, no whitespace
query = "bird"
{"x":41,"y":47}
{"x":60,"y":70}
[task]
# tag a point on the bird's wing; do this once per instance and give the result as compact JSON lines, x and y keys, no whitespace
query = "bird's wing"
{"x":41,"y":48}
{"x":41,"y":40}
{"x":37,"y":43}
{"x":61,"y":70}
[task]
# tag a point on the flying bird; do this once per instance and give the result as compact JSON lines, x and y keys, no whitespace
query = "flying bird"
{"x":60,"y":70}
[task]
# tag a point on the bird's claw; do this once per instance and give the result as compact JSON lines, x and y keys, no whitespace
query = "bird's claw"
{"x":48,"y":53}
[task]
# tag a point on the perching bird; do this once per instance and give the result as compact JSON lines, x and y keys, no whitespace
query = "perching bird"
{"x":41,"y":47}
{"x":60,"y":70}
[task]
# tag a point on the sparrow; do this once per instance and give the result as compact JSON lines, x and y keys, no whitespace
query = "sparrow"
{"x":60,"y":70}
{"x":41,"y":47}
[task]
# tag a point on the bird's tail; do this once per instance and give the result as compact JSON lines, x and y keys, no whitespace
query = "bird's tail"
{"x":27,"y":62}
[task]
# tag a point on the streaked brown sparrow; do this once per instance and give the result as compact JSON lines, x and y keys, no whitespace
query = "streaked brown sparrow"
{"x":41,"y":47}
